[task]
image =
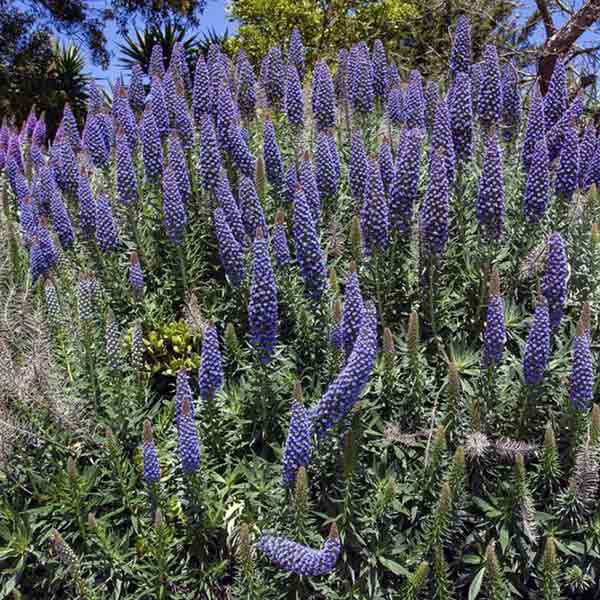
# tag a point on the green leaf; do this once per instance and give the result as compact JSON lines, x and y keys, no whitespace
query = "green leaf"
{"x":475,"y":586}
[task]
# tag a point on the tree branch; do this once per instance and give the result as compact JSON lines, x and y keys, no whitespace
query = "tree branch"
{"x":544,"y":11}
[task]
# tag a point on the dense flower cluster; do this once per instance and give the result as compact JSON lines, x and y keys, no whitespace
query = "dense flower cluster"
{"x":537,"y":349}
{"x":298,"y":444}
{"x":210,"y":374}
{"x":582,"y":369}
{"x":554,"y":284}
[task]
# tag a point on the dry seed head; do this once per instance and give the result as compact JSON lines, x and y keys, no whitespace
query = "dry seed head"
{"x":586,"y":315}
{"x":334,"y":534}
{"x":337,"y":311}
{"x":280,"y":217}
{"x":148,"y":437}
{"x":259,"y":233}
{"x":297,"y":393}
{"x":158,"y":518}
{"x":71,"y":468}
{"x":495,"y":283}
{"x":388,"y":341}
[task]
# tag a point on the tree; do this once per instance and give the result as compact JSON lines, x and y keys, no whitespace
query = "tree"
{"x":415,"y":32}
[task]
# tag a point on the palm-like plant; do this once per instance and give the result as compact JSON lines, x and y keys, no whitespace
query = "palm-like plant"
{"x":137,"y":50}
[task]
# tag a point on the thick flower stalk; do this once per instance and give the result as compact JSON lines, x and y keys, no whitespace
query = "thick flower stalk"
{"x":281,"y":248}
{"x":230,"y":251}
{"x":210,"y":374}
{"x":490,"y":96}
{"x":435,"y":208}
{"x":294,"y":98}
{"x":489,"y":207}
{"x":298,"y":444}
{"x":174,"y":216}
{"x":135,"y":92}
{"x":537,"y":190}
{"x":272,"y":155}
{"x":582,"y":370}
{"x":302,"y":560}
{"x":556,"y":98}
{"x":460,"y":55}
{"x":308,"y":248}
{"x":127,"y":188}
{"x":537,"y":348}
{"x":262,"y":308}
{"x":189,"y":448}
{"x":231,"y":210}
{"x":250,"y":207}
{"x":414,"y":104}
{"x":358,"y":168}
{"x":535,"y":130}
{"x":403,"y":193}
{"x":183,"y":393}
{"x":106,"y":231}
{"x":395,"y":106}
{"x":511,"y":101}
{"x":323,"y":97}
{"x":352,"y":314}
{"x":136,"y":276}
{"x":61,"y":221}
{"x":554,"y":283}
{"x":274,"y":81}
{"x":494,"y":333}
{"x":380,"y":70}
{"x":209,"y":165}
{"x":326,"y":172}
{"x":201,"y":92}
{"x":151,"y":147}
{"x":150,"y":457}
{"x":374,"y":215}
{"x":345,"y":390}
{"x":158,"y":106}
{"x":178,"y":164}
{"x":442,"y":137}
{"x":296,"y":52}
{"x":461,"y":117}
{"x":87,"y":206}
{"x":567,"y":175}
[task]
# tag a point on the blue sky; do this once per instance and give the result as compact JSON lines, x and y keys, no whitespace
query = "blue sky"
{"x":214,"y":17}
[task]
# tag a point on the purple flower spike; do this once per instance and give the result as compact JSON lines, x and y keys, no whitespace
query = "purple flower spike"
{"x":158,"y":106}
{"x":476,"y":83}
{"x":272,"y":155}
{"x":106,"y":232}
{"x":567,"y":176}
{"x":150,"y":457}
{"x":231,"y":210}
{"x":537,"y":190}
{"x":353,"y":311}
{"x":230,"y":251}
{"x":555,"y":100}
{"x":460,"y":55}
{"x":175,"y":219}
{"x":179,"y":64}
{"x":326,"y":171}
{"x":279,"y":241}
{"x":209,"y":165}
{"x":489,"y":103}
{"x":38,"y":136}
{"x":202,"y":92}
{"x":95,"y":141}
{"x":537,"y":348}
{"x":323,"y":97}
{"x":536,"y":127}
{"x":296,"y":52}
{"x":489,"y":207}
{"x":302,"y":560}
{"x":123,"y":116}
{"x":136,"y":277}
{"x":127,"y":188}
{"x":183,"y":393}
{"x":511,"y":101}
{"x":386,"y":164}
{"x":43,"y":255}
{"x":240,"y":153}
{"x":157,"y":62}
{"x":395,"y":106}
{"x":87,"y":207}
{"x":178,"y":164}
{"x":250,"y":207}
{"x":405,"y":184}
{"x":189,"y":449}
{"x":414,"y":105}
{"x":432,"y":99}
{"x":586,"y":151}
{"x":246,"y":86}
{"x":262,"y":309}
{"x":554,"y":284}
{"x":61,"y":220}
{"x":136,"y":93}
{"x":435,"y":208}
{"x":592,"y":172}
{"x":151,"y":147}
{"x":380,"y":70}
{"x":67,"y":174}
{"x":582,"y":370}
{"x":362,"y":93}
{"x":210,"y":374}
{"x":358,"y":168}
{"x":339,"y":83}
{"x":274,"y":78}
{"x":442,"y":138}
{"x":71,"y":129}
{"x":308,"y":249}
{"x":343,"y":393}
{"x":461,"y":117}
{"x":298,"y":444}
{"x":374,"y":215}
{"x":294,"y":99}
